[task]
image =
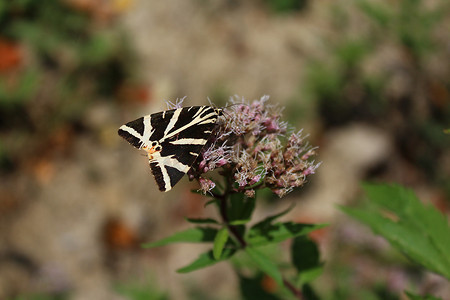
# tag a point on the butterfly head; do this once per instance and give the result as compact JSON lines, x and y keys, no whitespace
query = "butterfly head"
{"x":219,"y":111}
{"x":151,"y":148}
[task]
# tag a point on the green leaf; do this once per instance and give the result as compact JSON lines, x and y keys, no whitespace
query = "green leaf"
{"x":192,"y":235}
{"x":304,"y":254}
{"x":202,"y":221}
{"x":305,"y":258}
{"x":219,"y":242}
{"x":309,"y":275}
{"x":270,"y":219}
{"x":207,"y":259}
{"x":419,"y":231}
{"x":413,"y":296}
{"x":241,"y":208}
{"x":263,"y":234}
{"x":239,"y":222}
{"x":265,"y":264}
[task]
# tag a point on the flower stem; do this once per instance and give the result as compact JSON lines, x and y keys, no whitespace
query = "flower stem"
{"x":295,"y":291}
{"x":223,"y":198}
{"x":223,"y":213}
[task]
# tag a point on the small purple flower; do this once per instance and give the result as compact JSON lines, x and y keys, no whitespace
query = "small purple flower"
{"x":252,"y":146}
{"x":206,"y":184}
{"x":255,"y":179}
{"x":250,"y":193}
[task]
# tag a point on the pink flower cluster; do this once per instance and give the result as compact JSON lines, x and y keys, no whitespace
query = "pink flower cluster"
{"x":255,"y":149}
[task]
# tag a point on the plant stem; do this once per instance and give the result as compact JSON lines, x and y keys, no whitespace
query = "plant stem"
{"x":223,"y":213}
{"x":295,"y":291}
{"x":233,"y":230}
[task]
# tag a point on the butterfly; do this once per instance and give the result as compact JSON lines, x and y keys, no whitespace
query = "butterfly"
{"x":173,"y":140}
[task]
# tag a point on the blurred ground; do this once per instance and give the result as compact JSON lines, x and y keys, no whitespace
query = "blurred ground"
{"x":73,"y":215}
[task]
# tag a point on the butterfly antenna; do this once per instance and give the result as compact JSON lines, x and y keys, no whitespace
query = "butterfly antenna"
{"x":211,"y":103}
{"x":178,"y":103}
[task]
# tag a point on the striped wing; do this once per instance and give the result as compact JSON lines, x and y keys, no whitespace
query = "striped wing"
{"x":173,"y":139}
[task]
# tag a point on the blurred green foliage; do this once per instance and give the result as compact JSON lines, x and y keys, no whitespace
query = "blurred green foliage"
{"x":386,"y":67}
{"x":135,"y":291}
{"x":42,"y":297}
{"x":56,"y":59}
{"x":283,"y":6}
{"x":412,"y":296}
{"x":410,"y":22}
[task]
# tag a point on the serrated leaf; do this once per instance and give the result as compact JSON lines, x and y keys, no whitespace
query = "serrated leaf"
{"x":278,"y":232}
{"x":202,"y":221}
{"x":192,"y":235}
{"x":219,"y":242}
{"x":207,"y":259}
{"x":410,"y":242}
{"x":265,"y":264}
{"x":419,"y":231}
{"x":413,"y":214}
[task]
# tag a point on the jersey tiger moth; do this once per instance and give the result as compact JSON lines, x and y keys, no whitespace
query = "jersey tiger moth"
{"x":173,"y":140}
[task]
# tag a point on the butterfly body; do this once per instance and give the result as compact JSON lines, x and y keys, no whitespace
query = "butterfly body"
{"x":173,"y":140}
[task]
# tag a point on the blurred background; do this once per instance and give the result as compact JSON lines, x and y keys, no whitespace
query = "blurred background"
{"x":368,"y":79}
